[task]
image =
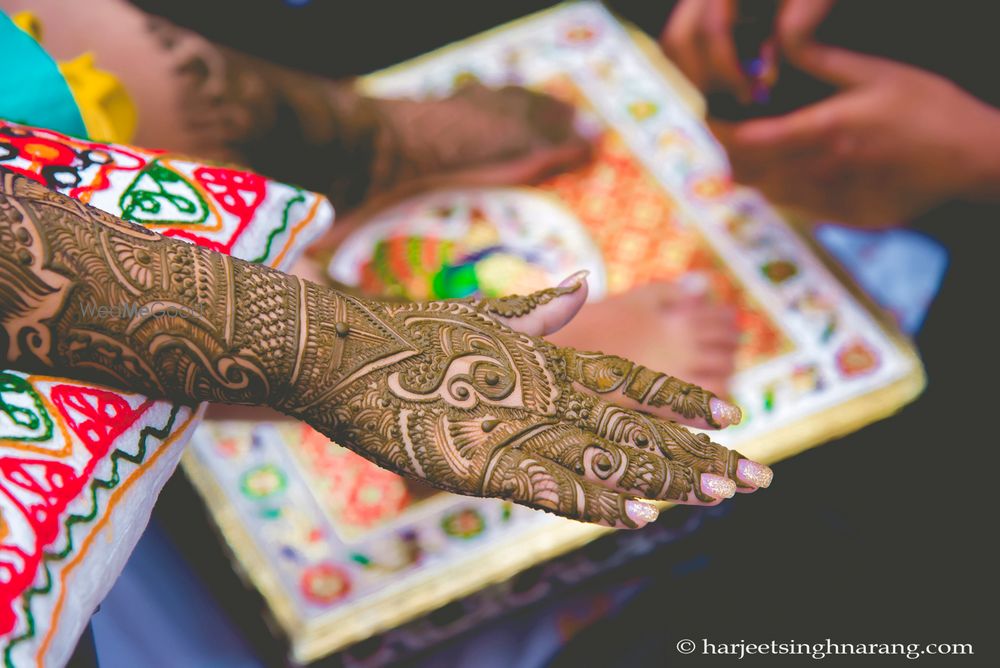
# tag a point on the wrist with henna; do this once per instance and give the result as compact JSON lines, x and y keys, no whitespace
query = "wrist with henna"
{"x":96,"y":298}
{"x":442,"y":391}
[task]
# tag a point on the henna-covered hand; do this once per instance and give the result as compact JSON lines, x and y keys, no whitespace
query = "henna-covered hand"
{"x":327,"y":136}
{"x":448,"y":392}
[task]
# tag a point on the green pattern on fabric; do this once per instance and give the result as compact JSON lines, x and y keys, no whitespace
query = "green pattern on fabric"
{"x":161,"y":196}
{"x":299,"y":197}
{"x":33,"y":418}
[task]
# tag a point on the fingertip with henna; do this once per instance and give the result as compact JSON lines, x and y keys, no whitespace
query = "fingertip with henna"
{"x":641,"y":512}
{"x":575,"y":279}
{"x":717,"y":486}
{"x":724,"y":413}
{"x":754,"y":473}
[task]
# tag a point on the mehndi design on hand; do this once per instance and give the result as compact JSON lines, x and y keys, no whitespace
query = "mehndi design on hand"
{"x":649,"y":390}
{"x":442,"y":391}
{"x":327,"y":136}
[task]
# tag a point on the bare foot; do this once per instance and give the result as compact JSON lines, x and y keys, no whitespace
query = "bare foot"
{"x":669,"y":326}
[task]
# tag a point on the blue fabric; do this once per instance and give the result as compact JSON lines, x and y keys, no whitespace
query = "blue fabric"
{"x":159,"y":614}
{"x":34,"y":92}
{"x":900,"y":269}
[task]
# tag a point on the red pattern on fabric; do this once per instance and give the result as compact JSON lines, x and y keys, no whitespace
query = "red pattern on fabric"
{"x":226,"y":187}
{"x":239,"y":193}
{"x":98,"y":417}
{"x":50,"y":149}
{"x":41,"y":489}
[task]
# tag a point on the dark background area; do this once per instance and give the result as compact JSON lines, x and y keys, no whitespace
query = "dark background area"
{"x":340,"y":39}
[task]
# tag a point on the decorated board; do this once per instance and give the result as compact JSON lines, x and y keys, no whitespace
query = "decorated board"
{"x":81,"y":465}
{"x":342,"y":550}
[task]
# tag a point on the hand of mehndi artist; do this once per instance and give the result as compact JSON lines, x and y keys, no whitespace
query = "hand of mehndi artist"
{"x":893,"y":142}
{"x":449,"y":392}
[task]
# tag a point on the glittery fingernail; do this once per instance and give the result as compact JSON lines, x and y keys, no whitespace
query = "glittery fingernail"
{"x":640,"y":512}
{"x":753,"y":473}
{"x":717,"y":486}
{"x":575,"y":279}
{"x":724,"y":414}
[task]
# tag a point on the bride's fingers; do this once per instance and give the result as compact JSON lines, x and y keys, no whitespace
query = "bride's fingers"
{"x":752,"y":475}
{"x":630,"y":470}
{"x":632,"y":429}
{"x":535,"y":481}
{"x":543,"y":312}
{"x":634,"y":386}
{"x":699,"y":452}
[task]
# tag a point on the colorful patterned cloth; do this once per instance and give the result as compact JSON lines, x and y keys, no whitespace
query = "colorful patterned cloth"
{"x":81,"y":466}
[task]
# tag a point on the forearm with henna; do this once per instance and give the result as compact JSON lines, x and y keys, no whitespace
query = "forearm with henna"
{"x":440,"y":391}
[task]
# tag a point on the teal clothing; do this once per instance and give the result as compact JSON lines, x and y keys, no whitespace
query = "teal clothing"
{"x":34,"y":92}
